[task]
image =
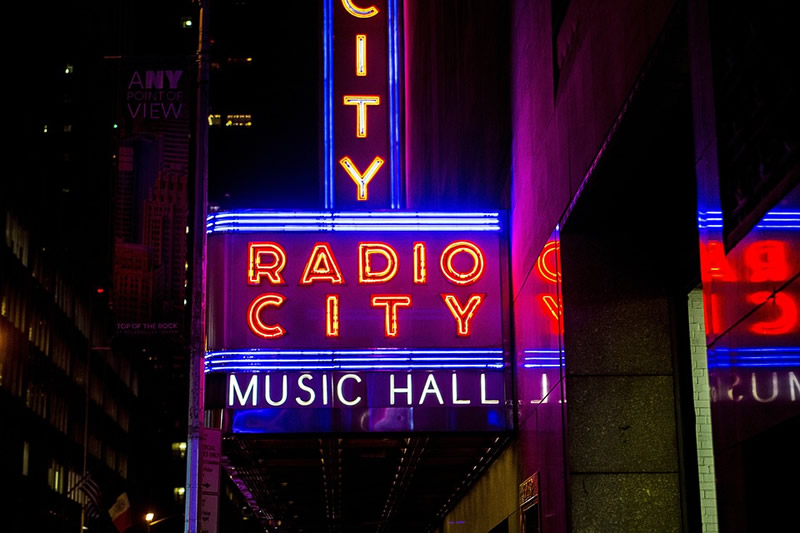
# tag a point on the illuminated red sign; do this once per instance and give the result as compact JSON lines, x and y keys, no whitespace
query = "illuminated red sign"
{"x":389,"y":321}
{"x":737,"y":282}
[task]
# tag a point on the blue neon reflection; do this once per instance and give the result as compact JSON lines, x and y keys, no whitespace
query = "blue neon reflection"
{"x":542,"y":358}
{"x":253,"y":221}
{"x":777,"y":357}
{"x":772,"y":220}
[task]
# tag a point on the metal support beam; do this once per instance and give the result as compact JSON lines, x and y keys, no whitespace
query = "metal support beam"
{"x":198,"y":314}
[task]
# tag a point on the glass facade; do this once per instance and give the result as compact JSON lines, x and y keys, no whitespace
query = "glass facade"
{"x":751,"y":297}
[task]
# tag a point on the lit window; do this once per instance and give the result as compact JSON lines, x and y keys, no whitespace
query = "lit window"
{"x":179,"y":493}
{"x":55,"y":477}
{"x":26,"y":451}
{"x":215,"y":120}
{"x":68,"y":69}
{"x":44,"y":130}
{"x":186,"y":22}
{"x":179,"y":449}
{"x":239,"y":120}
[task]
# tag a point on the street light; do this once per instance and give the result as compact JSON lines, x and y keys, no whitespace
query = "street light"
{"x":150,"y":522}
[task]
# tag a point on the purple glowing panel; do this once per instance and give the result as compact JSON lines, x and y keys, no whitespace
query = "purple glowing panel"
{"x":385,"y":321}
{"x":367,"y":401}
{"x":354,"y":420}
{"x":314,"y":389}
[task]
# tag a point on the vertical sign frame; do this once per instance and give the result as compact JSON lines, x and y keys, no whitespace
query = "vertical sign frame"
{"x":379,"y":147}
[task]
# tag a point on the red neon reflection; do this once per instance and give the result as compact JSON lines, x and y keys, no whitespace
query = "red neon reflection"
{"x":781,"y":306}
{"x":760,"y":262}
{"x":713,"y":318}
{"x":547,"y":264}
{"x":717,"y":266}
{"x":554,"y":310}
{"x":766,"y":261}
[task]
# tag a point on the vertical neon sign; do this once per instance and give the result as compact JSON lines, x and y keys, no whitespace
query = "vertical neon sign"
{"x":362,"y":113}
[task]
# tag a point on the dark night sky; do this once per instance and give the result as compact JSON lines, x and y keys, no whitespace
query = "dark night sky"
{"x":274,"y":163}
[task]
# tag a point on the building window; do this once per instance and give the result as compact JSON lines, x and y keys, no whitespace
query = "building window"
{"x":75,"y":495}
{"x":215,"y":120}
{"x":68,"y":69}
{"x":55,"y":477}
{"x":179,"y":449}
{"x":26,"y":455}
{"x":179,"y":493}
{"x":239,"y":120}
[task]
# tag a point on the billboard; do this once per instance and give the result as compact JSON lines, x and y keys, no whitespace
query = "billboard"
{"x":361,"y":321}
{"x":151,"y":202}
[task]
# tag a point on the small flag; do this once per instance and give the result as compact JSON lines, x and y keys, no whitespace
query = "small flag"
{"x":121,"y":513}
{"x":94,"y":497}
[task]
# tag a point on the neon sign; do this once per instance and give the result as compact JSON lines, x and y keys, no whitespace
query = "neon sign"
{"x":324,"y":312}
{"x":359,"y":320}
{"x":315,"y":389}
